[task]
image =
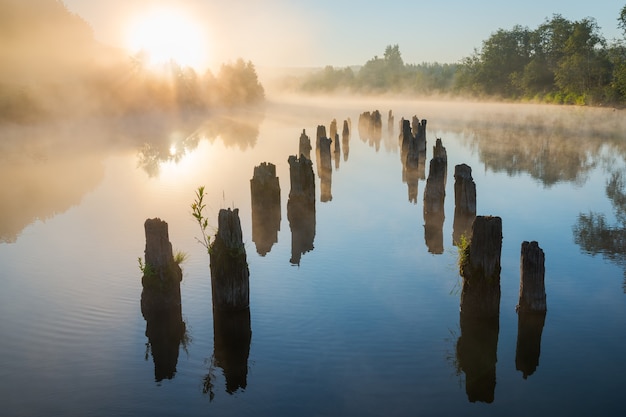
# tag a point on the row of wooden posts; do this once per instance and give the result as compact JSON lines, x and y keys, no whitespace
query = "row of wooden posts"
{"x":480,"y":265}
{"x":479,"y":259}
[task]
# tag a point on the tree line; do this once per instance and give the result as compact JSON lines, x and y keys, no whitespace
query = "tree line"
{"x":561,"y":61}
{"x":52,"y":67}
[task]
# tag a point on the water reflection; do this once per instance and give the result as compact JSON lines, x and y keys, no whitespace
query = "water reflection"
{"x":476,"y":352}
{"x":529,"y":329}
{"x":176,"y":137}
{"x":166,"y":333}
{"x":595,"y":235}
{"x":43,"y":172}
{"x":232,"y":334}
{"x":549,"y":148}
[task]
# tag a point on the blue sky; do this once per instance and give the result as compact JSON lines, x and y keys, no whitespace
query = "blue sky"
{"x":308,"y":33}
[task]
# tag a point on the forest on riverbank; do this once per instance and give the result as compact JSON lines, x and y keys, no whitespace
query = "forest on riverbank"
{"x":560,"y":62}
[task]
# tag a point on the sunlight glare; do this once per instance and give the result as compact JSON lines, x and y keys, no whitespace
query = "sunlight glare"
{"x":166,"y":35}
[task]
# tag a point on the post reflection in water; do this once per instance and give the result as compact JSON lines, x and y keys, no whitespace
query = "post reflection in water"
{"x":232,"y":335}
{"x":476,"y":352}
{"x":166,"y":332}
{"x":529,"y":329}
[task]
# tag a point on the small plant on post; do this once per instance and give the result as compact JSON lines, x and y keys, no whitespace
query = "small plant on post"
{"x":197,"y":207}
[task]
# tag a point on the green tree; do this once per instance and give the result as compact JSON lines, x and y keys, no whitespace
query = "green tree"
{"x":584,"y":69}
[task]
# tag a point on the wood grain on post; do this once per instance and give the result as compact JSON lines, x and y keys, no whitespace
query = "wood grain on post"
{"x":229,"y":268}
{"x":532,"y":291}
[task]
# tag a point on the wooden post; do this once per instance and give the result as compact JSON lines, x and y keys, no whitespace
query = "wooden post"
{"x":332,"y":130}
{"x":434,"y":199}
{"x":265,"y":198}
{"x":161,"y":301}
{"x":410,"y":160}
{"x":464,"y":202}
{"x":301,"y":207}
{"x":325,"y":170}
{"x":230,"y":277}
{"x":345,"y":139}
{"x":161,"y":275}
{"x":304,"y":147}
{"x":390,"y":123}
{"x":337,"y":151}
{"x":480,"y":268}
{"x":532,"y":291}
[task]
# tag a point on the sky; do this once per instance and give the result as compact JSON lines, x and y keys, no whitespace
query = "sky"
{"x":316,"y":33}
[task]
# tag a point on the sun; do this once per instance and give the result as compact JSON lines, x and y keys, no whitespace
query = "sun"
{"x":165,"y":35}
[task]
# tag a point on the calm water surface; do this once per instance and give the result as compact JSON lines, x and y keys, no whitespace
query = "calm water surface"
{"x":367,"y":323}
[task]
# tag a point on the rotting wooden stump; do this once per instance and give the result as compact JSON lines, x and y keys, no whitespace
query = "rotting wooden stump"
{"x":480,"y":268}
{"x":434,"y":198}
{"x":230,"y":277}
{"x":304,"y":146}
{"x":332,"y":129}
{"x":160,"y":299}
{"x":345,"y":139}
{"x":464,"y":202}
{"x":464,"y":191}
{"x":161,"y":274}
{"x":301,"y":207}
{"x":265,"y":199}
{"x":532,"y":291}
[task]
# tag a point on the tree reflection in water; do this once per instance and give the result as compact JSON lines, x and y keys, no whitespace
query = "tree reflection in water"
{"x":595,"y":235}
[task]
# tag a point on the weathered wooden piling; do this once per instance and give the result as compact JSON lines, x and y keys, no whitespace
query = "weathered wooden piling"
{"x":410,"y":159}
{"x":161,"y":300}
{"x":370,"y":127}
{"x":434,"y":200}
{"x":230,"y":277}
{"x":531,"y":308}
{"x":161,"y":274}
{"x":265,"y":198}
{"x":301,"y":207}
{"x":532,"y":291}
{"x":305,"y":147}
{"x":390,"y":123}
{"x":345,"y":139}
{"x":464,"y":191}
{"x":480,"y":268}
{"x":337,"y":151}
{"x":464,"y":202}
{"x":332,"y":129}
{"x":320,"y":133}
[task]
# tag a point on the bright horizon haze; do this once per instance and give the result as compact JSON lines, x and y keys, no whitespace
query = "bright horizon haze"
{"x":307,"y":33}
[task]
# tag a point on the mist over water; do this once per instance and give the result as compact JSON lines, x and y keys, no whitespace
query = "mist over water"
{"x":367,"y":321}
